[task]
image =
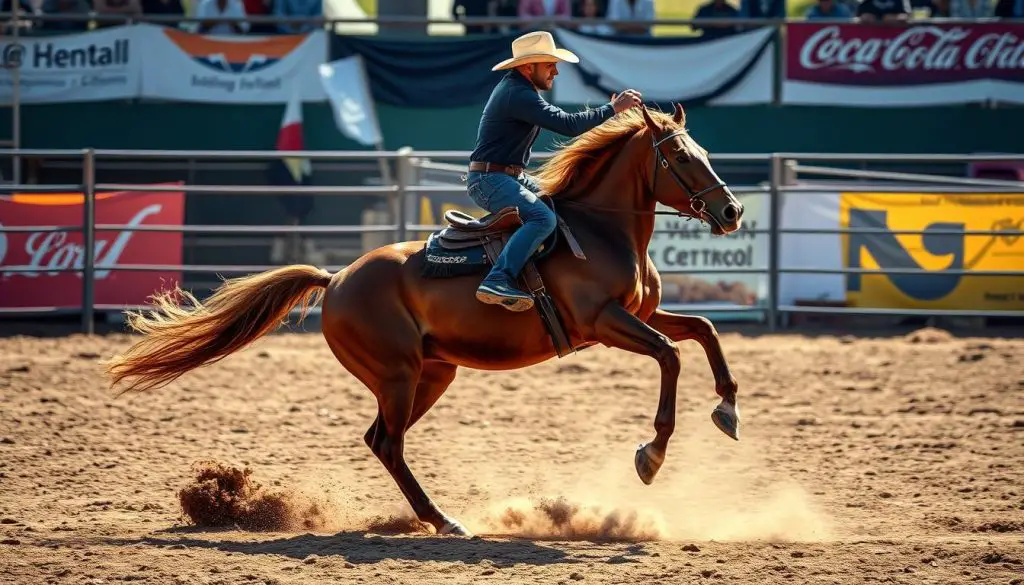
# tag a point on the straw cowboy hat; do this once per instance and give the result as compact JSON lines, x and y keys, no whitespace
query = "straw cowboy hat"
{"x":536,"y":47}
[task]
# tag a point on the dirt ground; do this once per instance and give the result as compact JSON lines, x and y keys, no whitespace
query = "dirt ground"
{"x":896,"y":459}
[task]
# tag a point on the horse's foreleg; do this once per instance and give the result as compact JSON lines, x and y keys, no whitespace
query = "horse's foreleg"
{"x":616,"y":327}
{"x":682,"y":327}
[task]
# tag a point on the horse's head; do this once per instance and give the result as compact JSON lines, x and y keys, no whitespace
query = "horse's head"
{"x":683,"y":178}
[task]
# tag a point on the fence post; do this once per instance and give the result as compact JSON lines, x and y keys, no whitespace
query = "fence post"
{"x":405,"y":177}
{"x":774,"y":215}
{"x":88,"y":238}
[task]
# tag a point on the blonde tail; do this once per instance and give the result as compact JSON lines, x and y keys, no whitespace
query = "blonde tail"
{"x":177,"y":340}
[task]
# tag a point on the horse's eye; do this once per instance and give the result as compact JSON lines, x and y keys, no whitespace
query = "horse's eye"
{"x":683,"y":158}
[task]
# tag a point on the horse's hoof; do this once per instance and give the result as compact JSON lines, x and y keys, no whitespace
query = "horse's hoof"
{"x":647,"y":464}
{"x":454,"y":528}
{"x":727,"y":418}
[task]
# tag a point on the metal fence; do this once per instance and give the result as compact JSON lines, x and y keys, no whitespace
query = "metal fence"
{"x":780,"y":184}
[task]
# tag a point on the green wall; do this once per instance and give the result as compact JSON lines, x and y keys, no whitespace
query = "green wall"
{"x":133,"y":125}
{"x":721,"y":129}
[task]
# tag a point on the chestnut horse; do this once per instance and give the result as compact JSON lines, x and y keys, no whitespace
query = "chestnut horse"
{"x":404,"y":336}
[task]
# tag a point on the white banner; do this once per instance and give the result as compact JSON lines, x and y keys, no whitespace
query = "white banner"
{"x":231,"y":69}
{"x":100,"y":65}
{"x":664,"y":73}
{"x":348,"y":89}
{"x":807,"y":210}
{"x":690,"y":245}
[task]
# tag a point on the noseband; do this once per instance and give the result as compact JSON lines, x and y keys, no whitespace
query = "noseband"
{"x":697,"y":204}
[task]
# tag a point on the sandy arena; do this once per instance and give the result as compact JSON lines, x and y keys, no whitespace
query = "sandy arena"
{"x":896,"y":459}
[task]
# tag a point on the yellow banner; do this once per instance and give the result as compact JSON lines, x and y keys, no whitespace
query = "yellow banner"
{"x":938,"y":251}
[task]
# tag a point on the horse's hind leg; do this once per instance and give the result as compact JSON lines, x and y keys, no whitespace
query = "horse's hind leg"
{"x":402,"y":399}
{"x":434,"y":380}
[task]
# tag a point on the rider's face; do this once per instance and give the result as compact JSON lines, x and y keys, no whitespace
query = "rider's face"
{"x":543,"y":74}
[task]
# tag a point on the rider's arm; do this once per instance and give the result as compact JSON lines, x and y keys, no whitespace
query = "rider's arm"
{"x":532,"y":107}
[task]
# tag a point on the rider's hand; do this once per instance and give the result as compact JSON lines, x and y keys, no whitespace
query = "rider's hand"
{"x":625,"y":100}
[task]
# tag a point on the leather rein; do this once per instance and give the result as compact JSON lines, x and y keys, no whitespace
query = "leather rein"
{"x":696,"y":202}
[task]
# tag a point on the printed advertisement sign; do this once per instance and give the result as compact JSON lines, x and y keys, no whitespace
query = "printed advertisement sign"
{"x":871,"y":64}
{"x":105,"y":64}
{"x":235,"y":69}
{"x":690,"y":244}
{"x":935,"y":251}
{"x":57,"y":250}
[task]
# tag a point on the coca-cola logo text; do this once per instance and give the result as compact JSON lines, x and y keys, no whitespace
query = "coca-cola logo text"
{"x":916,"y":48}
{"x":54,"y":250}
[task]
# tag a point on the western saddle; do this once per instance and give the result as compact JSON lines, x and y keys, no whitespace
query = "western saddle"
{"x":492,"y":232}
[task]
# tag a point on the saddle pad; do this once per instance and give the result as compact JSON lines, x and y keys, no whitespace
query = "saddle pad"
{"x":440,"y":262}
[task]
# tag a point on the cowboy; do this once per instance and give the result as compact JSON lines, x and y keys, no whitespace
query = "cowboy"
{"x":511,"y":121}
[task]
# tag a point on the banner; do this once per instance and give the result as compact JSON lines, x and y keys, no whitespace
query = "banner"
{"x":875,"y":65}
{"x":105,"y":64}
{"x":348,"y":90}
{"x":431,"y":72}
{"x":58,"y":250}
{"x":690,"y":244}
{"x":737,"y":69}
{"x":231,"y":69}
{"x":810,"y":210}
{"x":934,"y":251}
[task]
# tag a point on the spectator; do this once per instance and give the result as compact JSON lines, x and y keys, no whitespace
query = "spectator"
{"x":55,"y":7}
{"x":1009,"y":9}
{"x":163,"y":8}
{"x":970,"y":8}
{"x":938,"y":9}
{"x":221,"y":9}
{"x":591,"y":9}
{"x":631,"y":10}
{"x":123,"y":8}
{"x":883,"y":10}
{"x":507,"y":9}
{"x":297,"y":8}
{"x":716,"y":9}
{"x":473,"y":9}
{"x":260,"y":8}
{"x":543,"y":8}
{"x":828,"y":9}
{"x":763,"y":8}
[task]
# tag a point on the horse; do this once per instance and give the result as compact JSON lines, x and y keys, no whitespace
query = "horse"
{"x":404,"y":336}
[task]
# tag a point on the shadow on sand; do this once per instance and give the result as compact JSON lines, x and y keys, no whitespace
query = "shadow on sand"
{"x":367,"y":548}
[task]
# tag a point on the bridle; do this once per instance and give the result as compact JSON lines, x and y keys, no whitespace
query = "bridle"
{"x":697,"y":204}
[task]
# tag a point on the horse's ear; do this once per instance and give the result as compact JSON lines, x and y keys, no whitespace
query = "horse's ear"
{"x":680,"y":116}
{"x":649,"y":120}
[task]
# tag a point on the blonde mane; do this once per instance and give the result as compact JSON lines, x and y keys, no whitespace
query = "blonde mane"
{"x":583,"y":154}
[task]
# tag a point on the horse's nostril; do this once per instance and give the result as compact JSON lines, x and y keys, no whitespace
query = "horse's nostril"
{"x":730,"y":213}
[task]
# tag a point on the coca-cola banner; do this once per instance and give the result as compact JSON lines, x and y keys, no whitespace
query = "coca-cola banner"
{"x":52,"y":251}
{"x":913,"y":65}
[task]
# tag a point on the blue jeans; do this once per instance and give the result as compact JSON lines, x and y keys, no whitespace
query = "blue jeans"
{"x":493,"y":191}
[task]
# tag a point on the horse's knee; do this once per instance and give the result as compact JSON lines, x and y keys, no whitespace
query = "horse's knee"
{"x":704,"y":328}
{"x":667,"y":354}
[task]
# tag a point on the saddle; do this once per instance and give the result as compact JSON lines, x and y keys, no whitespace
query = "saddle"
{"x":492,"y":232}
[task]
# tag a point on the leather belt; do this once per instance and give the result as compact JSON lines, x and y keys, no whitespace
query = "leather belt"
{"x":487,"y":167}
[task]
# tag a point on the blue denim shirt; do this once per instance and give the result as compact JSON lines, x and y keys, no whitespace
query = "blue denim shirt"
{"x":514,"y":115}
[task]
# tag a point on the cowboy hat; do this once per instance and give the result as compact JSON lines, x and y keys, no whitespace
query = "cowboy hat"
{"x":535,"y":47}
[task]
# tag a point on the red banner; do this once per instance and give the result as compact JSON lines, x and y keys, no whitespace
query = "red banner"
{"x":891,"y":55}
{"x":57,"y":250}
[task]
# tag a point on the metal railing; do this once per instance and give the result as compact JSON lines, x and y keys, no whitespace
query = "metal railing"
{"x":782,"y":169}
